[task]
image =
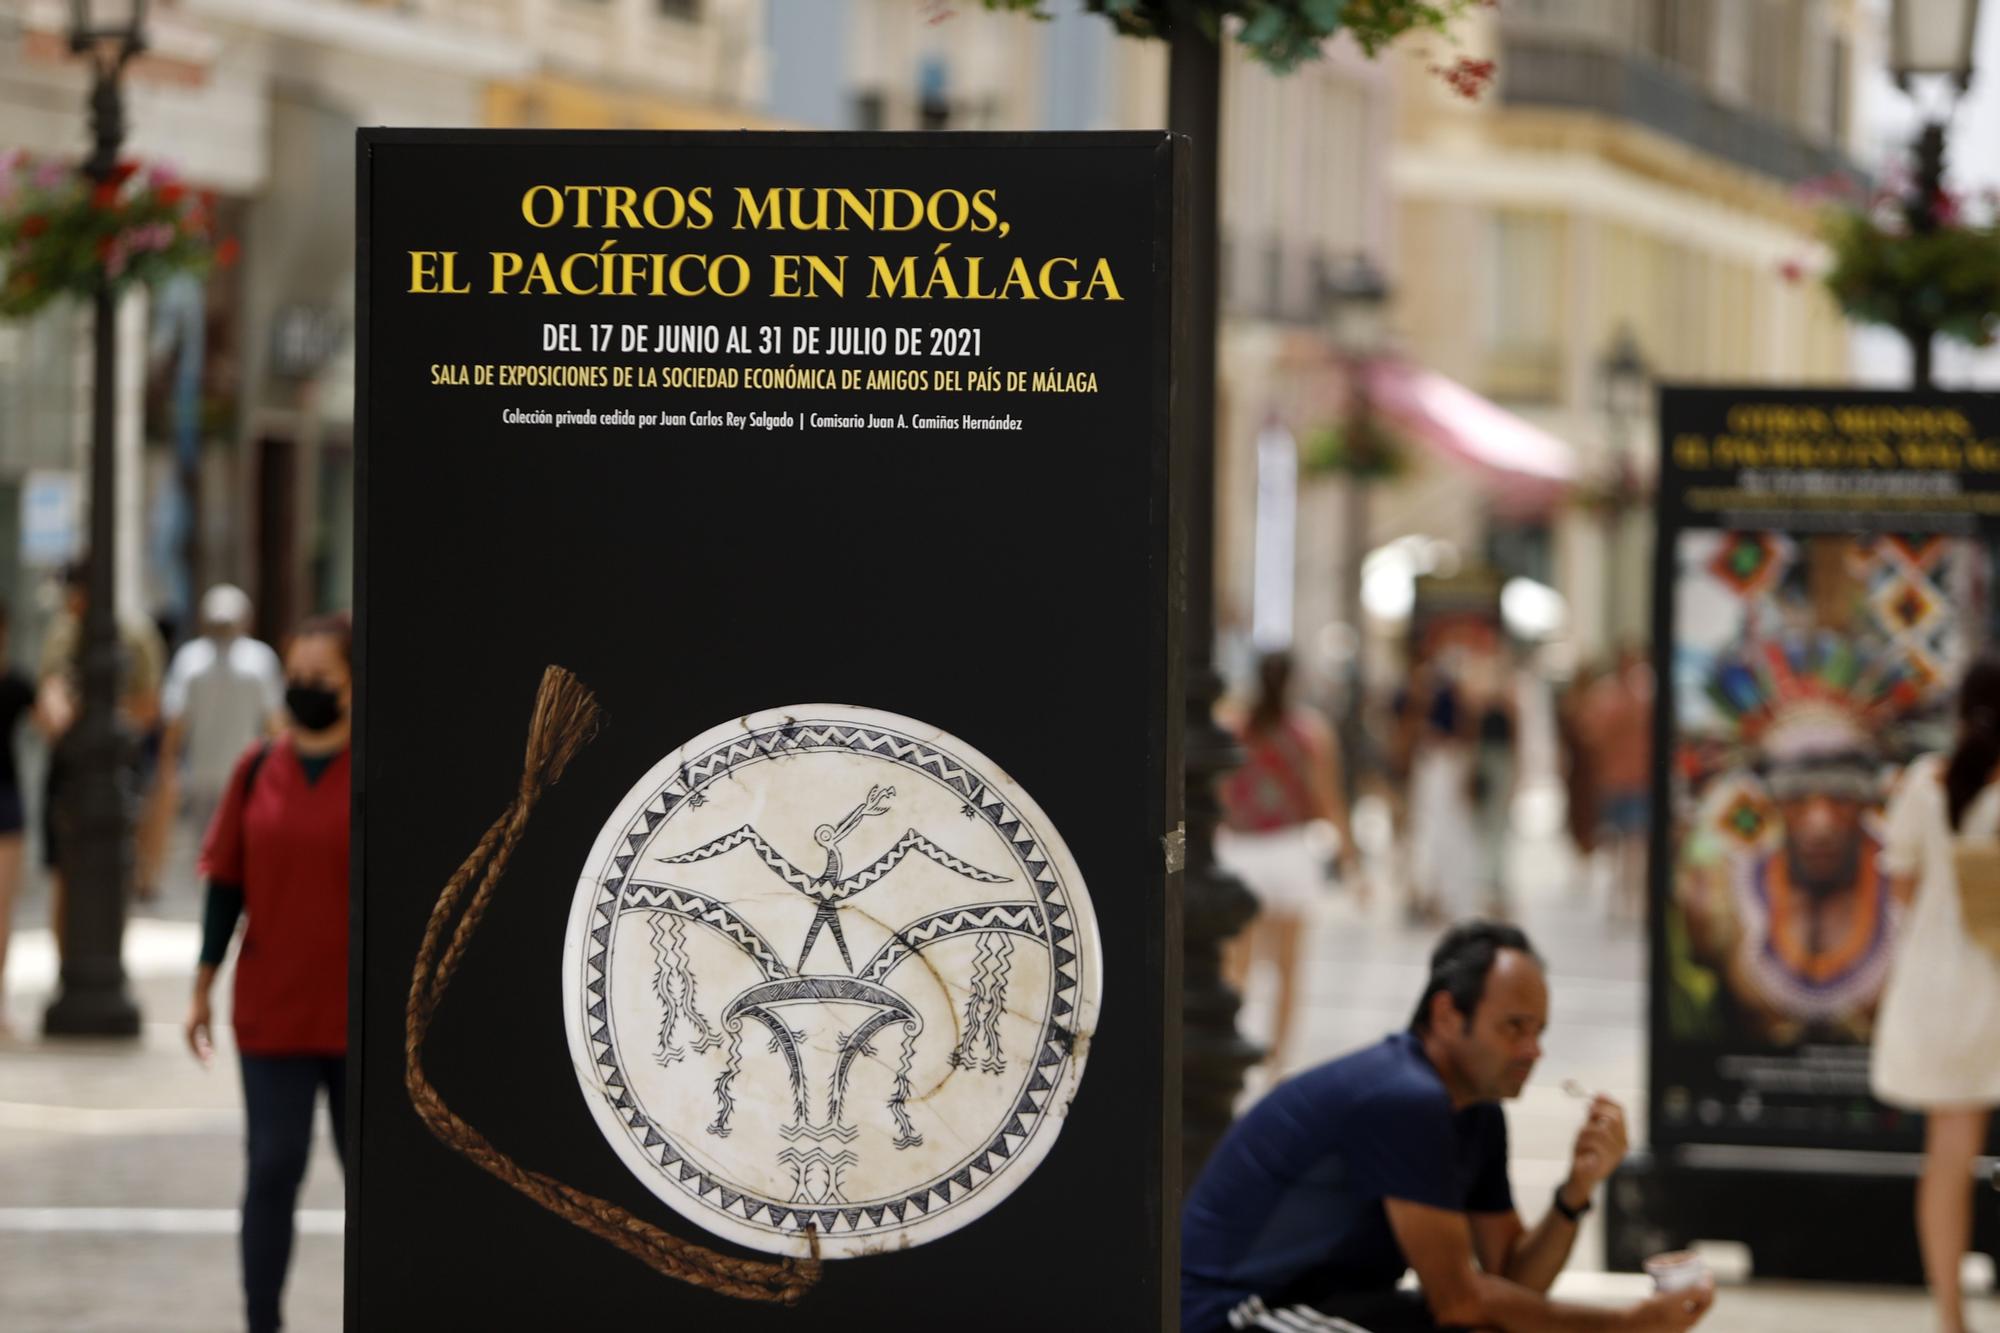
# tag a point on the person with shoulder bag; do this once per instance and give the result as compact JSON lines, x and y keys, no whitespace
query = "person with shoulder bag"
{"x":276,"y":856}
{"x":1937,"y":1039}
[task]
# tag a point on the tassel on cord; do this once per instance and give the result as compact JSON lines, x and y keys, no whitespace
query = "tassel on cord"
{"x":565,"y":719}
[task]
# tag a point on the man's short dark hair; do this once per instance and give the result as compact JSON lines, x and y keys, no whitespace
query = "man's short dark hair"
{"x":1460,"y":963}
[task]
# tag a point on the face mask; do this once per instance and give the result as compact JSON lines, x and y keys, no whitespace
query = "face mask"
{"x":314,"y":708}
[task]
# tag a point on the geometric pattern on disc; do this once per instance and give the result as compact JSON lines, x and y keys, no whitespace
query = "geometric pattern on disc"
{"x":829,"y":967}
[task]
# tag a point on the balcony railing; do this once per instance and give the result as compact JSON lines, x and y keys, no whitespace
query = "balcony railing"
{"x":1552,"y":72}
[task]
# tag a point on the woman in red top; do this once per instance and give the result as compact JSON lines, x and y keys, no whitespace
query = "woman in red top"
{"x":1277,"y":809}
{"x":276,"y":854}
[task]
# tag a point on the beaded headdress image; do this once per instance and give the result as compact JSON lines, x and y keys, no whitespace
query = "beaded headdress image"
{"x":1807,"y":672}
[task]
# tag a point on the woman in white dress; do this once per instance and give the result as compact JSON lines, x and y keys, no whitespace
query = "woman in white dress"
{"x":1937,"y":1039}
{"x":1448,"y":863}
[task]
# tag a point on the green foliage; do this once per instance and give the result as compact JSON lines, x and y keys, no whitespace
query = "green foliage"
{"x":1281,"y":33}
{"x":1946,"y":278}
{"x":1335,"y":451}
{"x":62,"y":233}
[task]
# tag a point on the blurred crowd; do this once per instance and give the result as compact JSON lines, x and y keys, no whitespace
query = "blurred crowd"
{"x":1446,"y":757}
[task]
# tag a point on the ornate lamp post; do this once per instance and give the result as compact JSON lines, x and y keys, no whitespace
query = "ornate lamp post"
{"x":1215,"y":906}
{"x":1625,"y":387}
{"x":96,"y":817}
{"x":1356,"y":304}
{"x":1931,"y":38}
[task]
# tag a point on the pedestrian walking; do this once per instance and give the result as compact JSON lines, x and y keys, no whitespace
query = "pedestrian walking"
{"x":276,"y":855}
{"x":1448,"y":863}
{"x":58,"y":701}
{"x":224,"y":690}
{"x":17,"y":700}
{"x":1935,"y":1049}
{"x":1618,"y":725}
{"x":1494,"y":695}
{"x":1282,"y":810}
{"x":1579,"y":764}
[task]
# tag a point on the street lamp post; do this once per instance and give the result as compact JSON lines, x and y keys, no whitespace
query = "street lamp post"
{"x":1929,"y":38}
{"x":1215,"y":905}
{"x":1625,"y":382}
{"x":96,"y":817}
{"x":1356,"y":302}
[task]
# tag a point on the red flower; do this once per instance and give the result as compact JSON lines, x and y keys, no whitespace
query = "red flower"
{"x":1466,"y":77}
{"x":104,"y":246}
{"x":172,"y":194}
{"x":34,"y":224}
{"x":1792,"y":270}
{"x":105,"y":195}
{"x":122,"y":172}
{"x":226,"y":251}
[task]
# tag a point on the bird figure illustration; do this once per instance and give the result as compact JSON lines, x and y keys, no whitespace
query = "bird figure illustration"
{"x":830,"y":887}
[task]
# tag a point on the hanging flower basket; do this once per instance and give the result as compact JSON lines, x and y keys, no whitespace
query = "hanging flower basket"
{"x":64,"y":234}
{"x":1609,"y":494}
{"x":1882,"y":271}
{"x":1374,"y":455}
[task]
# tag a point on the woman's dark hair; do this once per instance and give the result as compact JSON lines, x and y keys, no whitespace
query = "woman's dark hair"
{"x":1274,"y":682}
{"x":1978,"y":752}
{"x":1460,"y":963}
{"x":335,"y":625}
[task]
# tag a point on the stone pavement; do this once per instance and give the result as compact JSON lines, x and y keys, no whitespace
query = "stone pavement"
{"x":121,"y":1163}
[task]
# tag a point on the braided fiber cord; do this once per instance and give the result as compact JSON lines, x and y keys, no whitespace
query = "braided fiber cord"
{"x":565,"y":719}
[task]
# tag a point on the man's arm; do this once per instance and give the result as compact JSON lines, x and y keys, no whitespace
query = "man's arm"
{"x":1534,"y":1258}
{"x":1438,"y":1244}
{"x":1529,"y":1258}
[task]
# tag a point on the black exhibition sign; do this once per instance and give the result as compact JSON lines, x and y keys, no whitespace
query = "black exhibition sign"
{"x":767,"y":808}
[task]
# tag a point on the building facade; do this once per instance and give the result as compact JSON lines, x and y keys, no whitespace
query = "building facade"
{"x":1304,"y":163}
{"x":258,"y":101}
{"x":1633,"y":170}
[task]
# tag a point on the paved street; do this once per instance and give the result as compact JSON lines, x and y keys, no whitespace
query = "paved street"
{"x":120,"y":1164}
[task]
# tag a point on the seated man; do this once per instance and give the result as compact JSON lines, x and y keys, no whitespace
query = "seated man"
{"x":1395,"y":1158}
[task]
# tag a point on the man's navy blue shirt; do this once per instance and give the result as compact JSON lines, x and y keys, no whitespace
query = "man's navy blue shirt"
{"x":1290,"y":1206}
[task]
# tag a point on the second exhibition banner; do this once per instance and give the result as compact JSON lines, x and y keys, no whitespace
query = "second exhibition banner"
{"x":1825,"y":576}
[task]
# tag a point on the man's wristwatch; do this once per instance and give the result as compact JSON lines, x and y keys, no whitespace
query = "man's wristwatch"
{"x":1571,"y":1214}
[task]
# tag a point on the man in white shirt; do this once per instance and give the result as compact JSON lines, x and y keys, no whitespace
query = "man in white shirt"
{"x":223,"y":691}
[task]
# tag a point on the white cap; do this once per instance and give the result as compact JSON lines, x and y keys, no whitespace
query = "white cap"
{"x":225,"y":604}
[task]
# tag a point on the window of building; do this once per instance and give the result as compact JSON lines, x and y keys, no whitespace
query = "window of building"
{"x":1523,"y":308}
{"x":687,"y":11}
{"x":933,"y":93}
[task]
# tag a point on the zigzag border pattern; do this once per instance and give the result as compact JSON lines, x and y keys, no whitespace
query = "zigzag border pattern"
{"x":981,"y":801}
{"x":1018,"y":918}
{"x":646,"y":896}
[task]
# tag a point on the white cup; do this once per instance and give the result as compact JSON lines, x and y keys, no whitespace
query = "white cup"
{"x":1677,"y":1270}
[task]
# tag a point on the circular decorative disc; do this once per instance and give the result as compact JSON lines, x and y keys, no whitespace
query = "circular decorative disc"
{"x":829,"y":967}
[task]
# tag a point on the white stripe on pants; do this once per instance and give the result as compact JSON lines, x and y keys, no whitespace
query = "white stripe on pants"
{"x":1253,"y":1313}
